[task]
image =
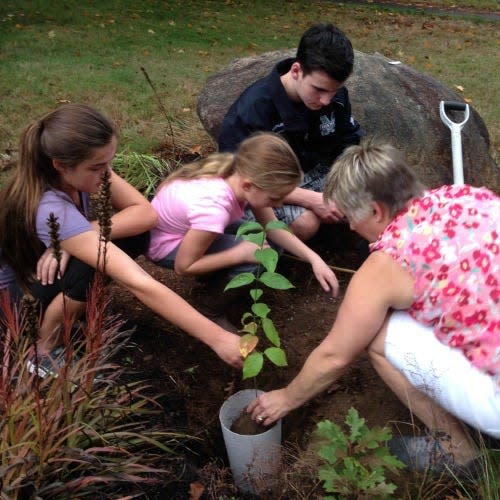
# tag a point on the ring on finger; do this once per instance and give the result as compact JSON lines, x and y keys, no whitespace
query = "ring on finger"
{"x":260,"y":419}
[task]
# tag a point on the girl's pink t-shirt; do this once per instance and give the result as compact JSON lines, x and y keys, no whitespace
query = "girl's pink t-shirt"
{"x":206,"y":203}
{"x":449,"y":241}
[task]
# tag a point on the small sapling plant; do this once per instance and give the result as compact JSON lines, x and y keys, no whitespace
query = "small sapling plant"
{"x":355,"y":461}
{"x":256,"y":321}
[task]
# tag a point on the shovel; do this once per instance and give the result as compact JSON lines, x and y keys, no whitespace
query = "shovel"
{"x":456,"y":140}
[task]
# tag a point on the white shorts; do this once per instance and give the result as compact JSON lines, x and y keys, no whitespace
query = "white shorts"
{"x":443,"y":373}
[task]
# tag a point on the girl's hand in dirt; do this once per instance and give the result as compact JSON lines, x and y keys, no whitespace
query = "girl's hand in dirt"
{"x":325,"y":276}
{"x":227,"y":347}
{"x":270,"y":407}
{"x":47,"y":267}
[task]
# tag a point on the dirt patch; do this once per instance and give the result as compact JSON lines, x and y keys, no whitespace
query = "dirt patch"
{"x":195,"y":382}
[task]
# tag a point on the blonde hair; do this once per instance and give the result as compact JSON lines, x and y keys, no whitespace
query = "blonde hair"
{"x":265,"y":158}
{"x":367,"y":173}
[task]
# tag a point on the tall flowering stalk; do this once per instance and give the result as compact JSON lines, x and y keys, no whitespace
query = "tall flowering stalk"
{"x":54,"y":238}
{"x":103,"y":211}
{"x":97,"y":299}
{"x":55,"y":245}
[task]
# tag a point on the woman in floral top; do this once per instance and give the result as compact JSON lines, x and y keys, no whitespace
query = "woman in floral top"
{"x":425,"y":305}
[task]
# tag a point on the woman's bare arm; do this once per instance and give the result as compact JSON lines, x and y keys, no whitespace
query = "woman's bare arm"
{"x":379,"y":285}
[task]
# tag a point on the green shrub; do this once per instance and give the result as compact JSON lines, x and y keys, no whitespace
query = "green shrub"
{"x":355,"y":461}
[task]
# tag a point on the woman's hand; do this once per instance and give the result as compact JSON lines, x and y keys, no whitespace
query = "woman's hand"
{"x":47,"y":267}
{"x":270,"y":407}
{"x":227,"y":347}
{"x":325,"y":276}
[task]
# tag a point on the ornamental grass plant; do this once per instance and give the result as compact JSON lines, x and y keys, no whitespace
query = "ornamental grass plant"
{"x":84,"y":431}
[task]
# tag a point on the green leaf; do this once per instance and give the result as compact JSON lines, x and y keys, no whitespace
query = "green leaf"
{"x":251,"y":327}
{"x":245,"y":316}
{"x":383,"y":490}
{"x":253,"y":365}
{"x":336,"y":441}
{"x":276,"y":355}
{"x":355,"y":422}
{"x":330,"y":477}
{"x":371,"y":438}
{"x":276,"y":224}
{"x":275,"y":281}
{"x":268,"y":257}
{"x":249,"y":227}
{"x":260,"y":309}
{"x":256,"y":294}
{"x":257,"y":238}
{"x":241,"y":279}
{"x":391,"y":461}
{"x":271,"y":332}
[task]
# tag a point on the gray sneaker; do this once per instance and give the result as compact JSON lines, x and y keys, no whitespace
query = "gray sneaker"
{"x":48,"y":365}
{"x":422,"y":453}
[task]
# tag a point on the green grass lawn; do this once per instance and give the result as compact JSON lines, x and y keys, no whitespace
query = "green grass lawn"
{"x":93,"y":51}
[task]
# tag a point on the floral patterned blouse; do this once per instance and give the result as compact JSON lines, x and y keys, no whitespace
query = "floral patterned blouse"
{"x":449,"y":241}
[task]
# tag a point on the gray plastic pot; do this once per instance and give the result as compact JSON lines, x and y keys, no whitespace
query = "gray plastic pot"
{"x":255,"y":460}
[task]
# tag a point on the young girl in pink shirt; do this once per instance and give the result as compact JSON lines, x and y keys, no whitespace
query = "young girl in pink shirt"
{"x":201,"y":204}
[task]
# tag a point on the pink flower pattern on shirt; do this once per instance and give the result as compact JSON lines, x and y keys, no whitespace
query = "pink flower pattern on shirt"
{"x":449,"y":241}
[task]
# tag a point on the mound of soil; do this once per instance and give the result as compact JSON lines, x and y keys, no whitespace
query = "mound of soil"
{"x":195,"y":382}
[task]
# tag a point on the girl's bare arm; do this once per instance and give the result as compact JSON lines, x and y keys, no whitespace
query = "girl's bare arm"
{"x":155,"y":295}
{"x":133,"y":213}
{"x":192,"y":259}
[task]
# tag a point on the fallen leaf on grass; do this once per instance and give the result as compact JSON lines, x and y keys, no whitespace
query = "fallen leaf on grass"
{"x":459,"y":87}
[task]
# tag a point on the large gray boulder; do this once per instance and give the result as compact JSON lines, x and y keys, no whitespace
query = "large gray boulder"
{"x":393,"y":102}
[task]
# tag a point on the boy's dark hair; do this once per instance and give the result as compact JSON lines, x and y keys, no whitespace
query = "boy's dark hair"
{"x":324,"y":47}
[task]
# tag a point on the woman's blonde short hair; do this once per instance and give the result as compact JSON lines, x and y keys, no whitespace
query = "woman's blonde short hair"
{"x":371,"y":172}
